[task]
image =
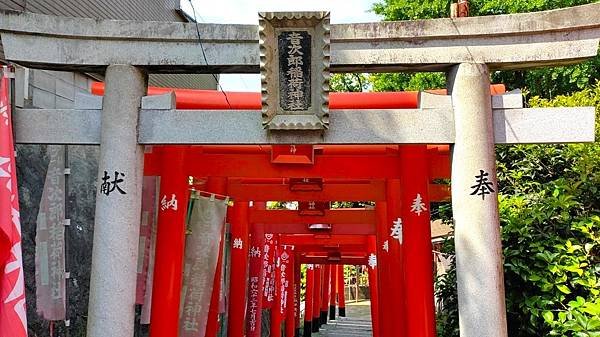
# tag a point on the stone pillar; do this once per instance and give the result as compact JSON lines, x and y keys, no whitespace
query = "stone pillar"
{"x":482,"y":311}
{"x":118,"y":206}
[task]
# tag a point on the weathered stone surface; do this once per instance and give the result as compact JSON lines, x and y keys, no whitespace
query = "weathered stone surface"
{"x":479,"y":268}
{"x":294,"y":67}
{"x":428,"y":125}
{"x":118,"y":206}
{"x":551,"y":37}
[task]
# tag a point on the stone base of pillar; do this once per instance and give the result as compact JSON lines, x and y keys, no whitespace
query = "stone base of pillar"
{"x":332,"y":312}
{"x":342,"y":311}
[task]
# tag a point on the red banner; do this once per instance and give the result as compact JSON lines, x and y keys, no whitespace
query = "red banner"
{"x":286,"y":254}
{"x":50,"y":240}
{"x":269,"y":259}
{"x":13,"y":320}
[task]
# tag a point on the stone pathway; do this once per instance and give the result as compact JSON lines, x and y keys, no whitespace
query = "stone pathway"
{"x":357,"y":322}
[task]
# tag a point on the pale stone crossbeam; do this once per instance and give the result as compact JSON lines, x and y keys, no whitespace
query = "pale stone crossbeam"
{"x":513,"y":41}
{"x":160,"y":123}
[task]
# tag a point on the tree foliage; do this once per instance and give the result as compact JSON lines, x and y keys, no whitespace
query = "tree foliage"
{"x":547,"y":82}
{"x":550,"y":216}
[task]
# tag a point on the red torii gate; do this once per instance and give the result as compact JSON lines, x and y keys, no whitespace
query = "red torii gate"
{"x":242,"y":216}
{"x":388,"y":174}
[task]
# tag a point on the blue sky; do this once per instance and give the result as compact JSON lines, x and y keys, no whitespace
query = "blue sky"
{"x":246,"y":12}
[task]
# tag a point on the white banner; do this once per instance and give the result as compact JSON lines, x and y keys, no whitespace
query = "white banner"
{"x":201,"y":254}
{"x":50,"y":240}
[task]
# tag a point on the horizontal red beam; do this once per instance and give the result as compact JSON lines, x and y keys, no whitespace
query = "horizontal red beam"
{"x":364,"y":191}
{"x":337,"y":229}
{"x":337,"y":216}
{"x":324,"y":242}
{"x":260,"y":166}
{"x":216,"y":100}
{"x":356,"y":260}
{"x":331,"y":192}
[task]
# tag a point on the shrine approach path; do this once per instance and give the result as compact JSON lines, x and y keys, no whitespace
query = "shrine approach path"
{"x":357,"y":322}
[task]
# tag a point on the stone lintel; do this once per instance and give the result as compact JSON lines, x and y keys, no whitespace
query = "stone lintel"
{"x":405,"y":126}
{"x":514,"y":41}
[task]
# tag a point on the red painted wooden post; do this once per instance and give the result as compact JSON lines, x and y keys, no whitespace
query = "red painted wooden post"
{"x":298,"y":278}
{"x":341,"y":290}
{"x":326,"y":291}
{"x":239,"y":268}
{"x":418,"y":276}
{"x":170,"y":243}
{"x":333,"y":292}
{"x":216,"y":185}
{"x":290,"y":307}
{"x":373,"y":285}
{"x":396,"y":291}
{"x":387,"y":321}
{"x":316,"y":312}
{"x":308,"y":300}
{"x":255,"y":281}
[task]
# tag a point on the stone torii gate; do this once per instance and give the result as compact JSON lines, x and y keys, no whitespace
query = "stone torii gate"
{"x":466,"y":48}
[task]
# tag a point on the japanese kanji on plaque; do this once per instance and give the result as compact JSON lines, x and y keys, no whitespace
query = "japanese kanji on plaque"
{"x":294,"y":53}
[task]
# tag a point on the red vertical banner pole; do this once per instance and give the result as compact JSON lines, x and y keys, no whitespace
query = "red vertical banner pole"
{"x":341,"y":290}
{"x":297,"y":286}
{"x":290,"y":299}
{"x":255,"y":281}
{"x":395,"y":239}
{"x":308,"y":300}
{"x":325,"y":292}
{"x":239,"y":269}
{"x":332,"y":293}
{"x":170,"y":242}
{"x":372,"y":266}
{"x":217,"y":185}
{"x":276,"y":308}
{"x":418,"y":257}
{"x":316,"y":322}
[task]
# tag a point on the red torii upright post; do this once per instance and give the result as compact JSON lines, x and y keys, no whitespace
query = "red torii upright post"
{"x":341,"y":289}
{"x":325,"y":292}
{"x":308,"y":300}
{"x":417,"y":249}
{"x":297,"y":281}
{"x":373,"y":286}
{"x":239,"y":268}
{"x":316,"y":312}
{"x":393,"y":233}
{"x":255,"y":281}
{"x":170,"y":243}
{"x":386,"y":304}
{"x":332,"y":296}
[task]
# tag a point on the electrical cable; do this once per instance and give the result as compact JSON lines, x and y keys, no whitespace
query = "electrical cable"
{"x":204,"y":53}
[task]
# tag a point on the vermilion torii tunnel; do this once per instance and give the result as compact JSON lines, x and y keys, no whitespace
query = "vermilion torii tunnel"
{"x":393,"y":239}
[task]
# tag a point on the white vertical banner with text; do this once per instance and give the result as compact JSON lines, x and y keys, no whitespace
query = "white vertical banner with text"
{"x":205,"y":226}
{"x":50,"y":240}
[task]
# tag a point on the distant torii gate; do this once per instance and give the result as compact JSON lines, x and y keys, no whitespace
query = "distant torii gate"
{"x":466,"y":48}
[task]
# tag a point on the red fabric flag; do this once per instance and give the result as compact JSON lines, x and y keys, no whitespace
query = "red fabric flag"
{"x":13,"y":321}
